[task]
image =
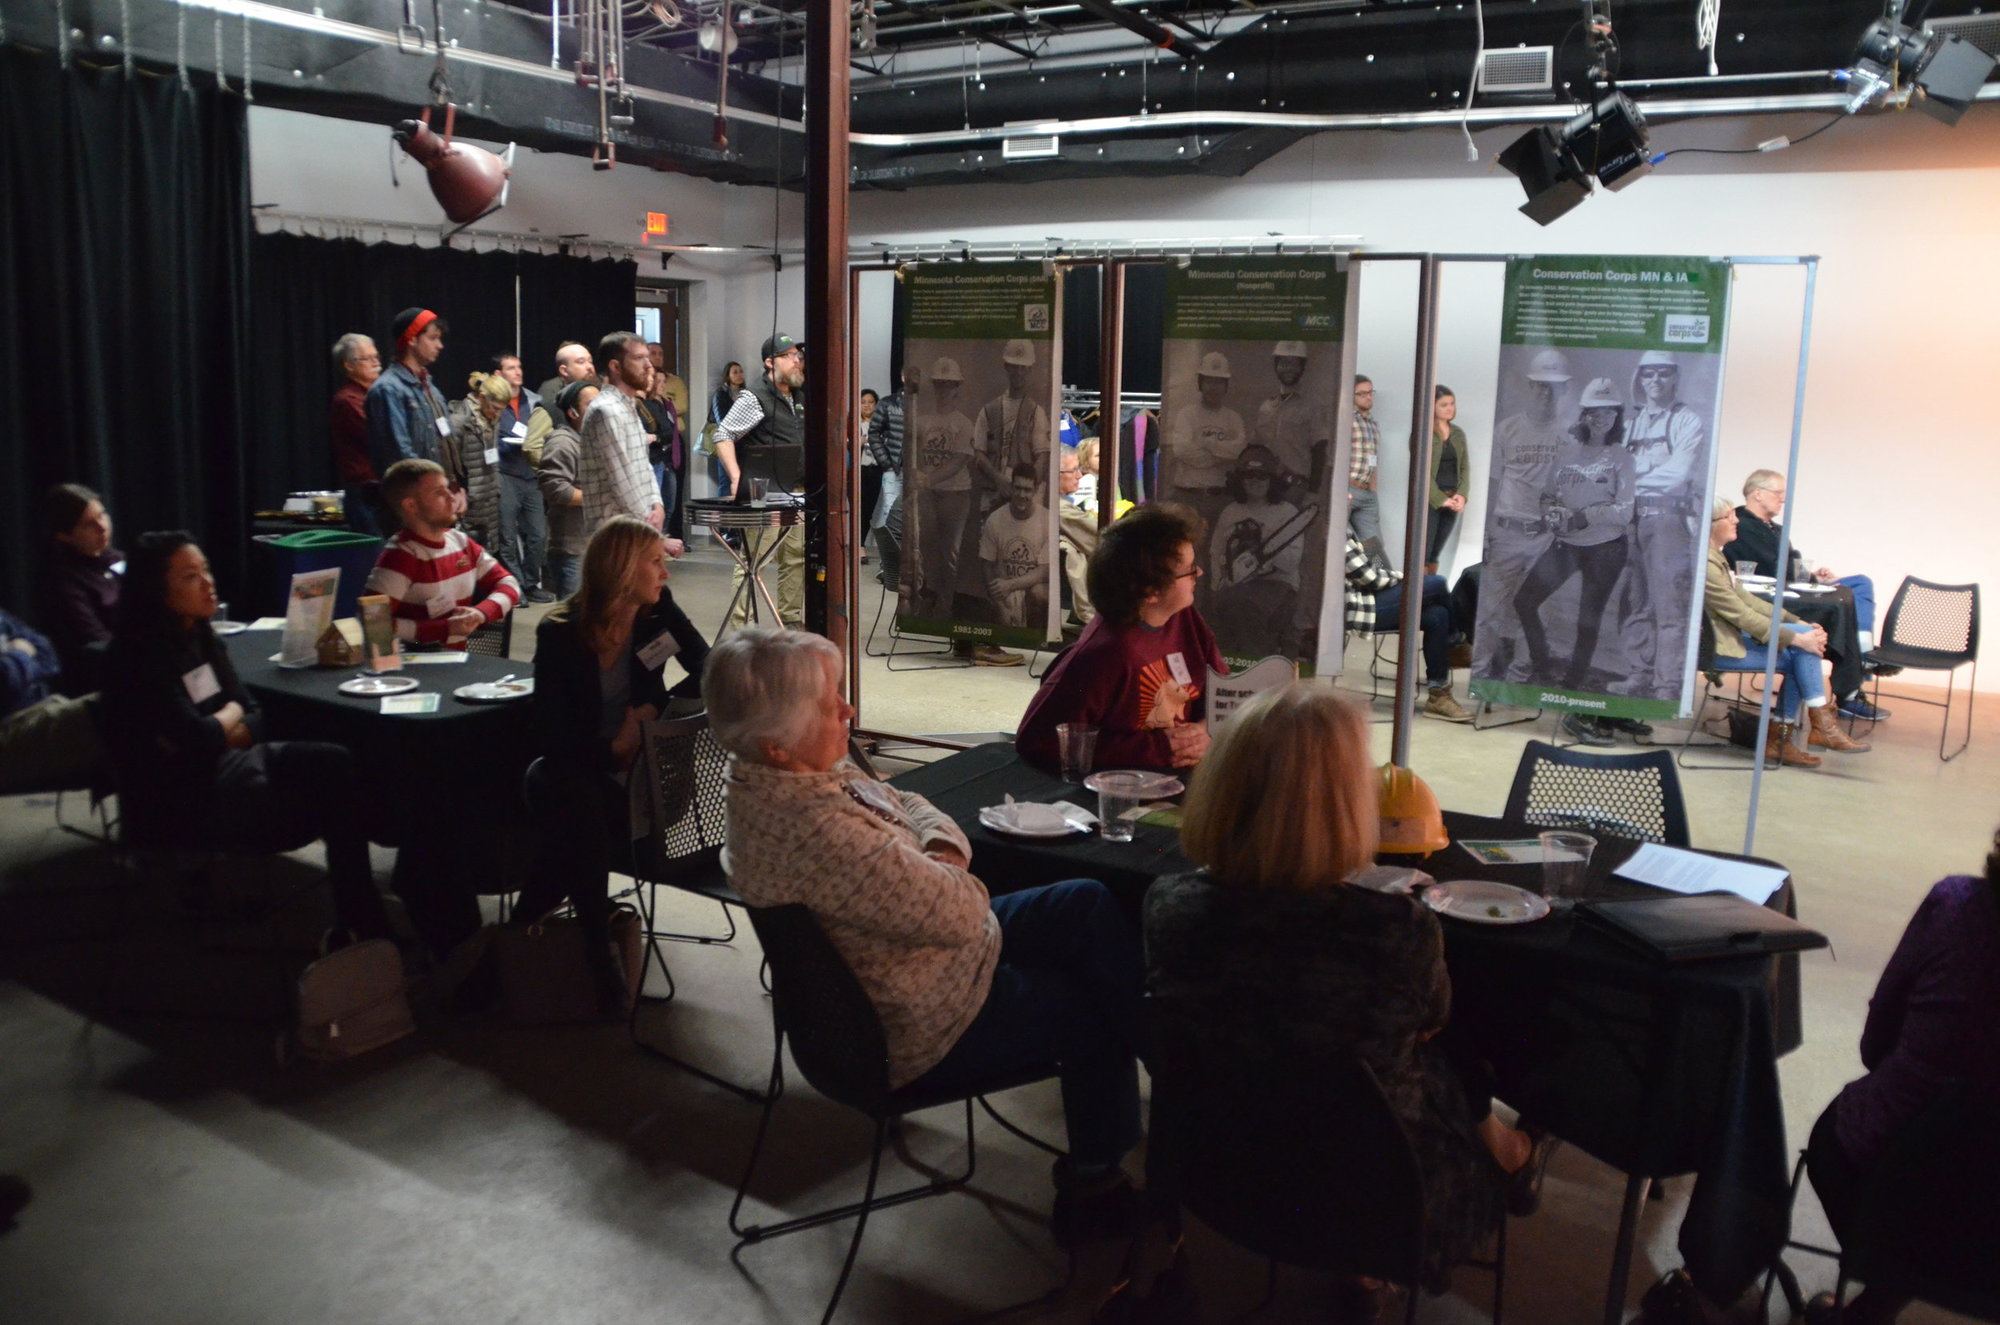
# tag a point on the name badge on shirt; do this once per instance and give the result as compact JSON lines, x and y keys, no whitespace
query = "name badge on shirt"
{"x":519,"y":430}
{"x":443,"y":426}
{"x":492,"y":454}
{"x":201,"y":684}
{"x":653,"y":656}
{"x":1177,"y":664}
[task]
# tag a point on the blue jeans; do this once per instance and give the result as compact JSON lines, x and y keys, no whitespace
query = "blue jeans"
{"x":1799,"y":670}
{"x":1435,"y":623}
{"x":670,"y":490}
{"x":1066,"y":991}
{"x":524,"y":528}
{"x":1864,"y":600}
{"x":565,"y":573}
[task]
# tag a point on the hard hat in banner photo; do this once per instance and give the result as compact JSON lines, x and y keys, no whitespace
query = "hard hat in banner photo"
{"x":1548,"y":366}
{"x":1601,"y":392}
{"x":946,"y":370}
{"x":1019,"y":351}
{"x":1658,"y":359}
{"x":1289,"y":349}
{"x":1213,"y":365}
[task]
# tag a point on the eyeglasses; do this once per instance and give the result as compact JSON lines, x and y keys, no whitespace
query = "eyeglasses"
{"x":1658,"y":371}
{"x":1191,"y":573}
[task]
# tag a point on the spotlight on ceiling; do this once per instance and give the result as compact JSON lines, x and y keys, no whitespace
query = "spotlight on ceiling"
{"x":1559,"y":165}
{"x":469,"y":182}
{"x":1939,"y":73}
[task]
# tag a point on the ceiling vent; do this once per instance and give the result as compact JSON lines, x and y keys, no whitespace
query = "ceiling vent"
{"x":1518,"y":69}
{"x":1030,"y":149}
{"x":1981,"y":30}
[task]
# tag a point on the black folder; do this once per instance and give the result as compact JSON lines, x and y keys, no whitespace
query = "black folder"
{"x":1703,"y":927}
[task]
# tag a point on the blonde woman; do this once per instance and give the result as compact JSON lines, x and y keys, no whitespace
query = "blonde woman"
{"x":599,"y":660}
{"x":1269,"y":933}
{"x":472,"y":458}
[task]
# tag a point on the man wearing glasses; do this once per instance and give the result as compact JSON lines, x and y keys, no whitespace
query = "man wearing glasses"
{"x":1667,"y":440}
{"x":357,"y":363}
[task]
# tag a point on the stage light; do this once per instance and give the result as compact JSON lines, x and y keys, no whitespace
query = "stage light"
{"x":468,"y":182}
{"x":1938,"y":73}
{"x":1559,"y":165}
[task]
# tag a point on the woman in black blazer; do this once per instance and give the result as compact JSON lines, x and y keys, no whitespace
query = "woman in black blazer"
{"x":598,"y":661}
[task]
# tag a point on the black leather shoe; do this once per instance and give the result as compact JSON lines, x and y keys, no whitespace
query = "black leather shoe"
{"x":1524,"y":1187}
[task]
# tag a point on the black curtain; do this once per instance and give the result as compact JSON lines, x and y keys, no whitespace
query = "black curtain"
{"x":1145,"y":322}
{"x":308,"y":292}
{"x":124,"y":221}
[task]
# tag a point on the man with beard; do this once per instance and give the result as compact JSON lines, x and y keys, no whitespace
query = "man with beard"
{"x":1364,"y":460}
{"x":1525,"y":446}
{"x":613,"y":473}
{"x":1014,"y":549}
{"x":1667,"y":440}
{"x":1297,"y":431}
{"x":764,"y":437}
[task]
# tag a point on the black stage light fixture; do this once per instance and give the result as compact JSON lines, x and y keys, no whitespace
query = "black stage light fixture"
{"x":1939,"y":73}
{"x":1557,"y":164}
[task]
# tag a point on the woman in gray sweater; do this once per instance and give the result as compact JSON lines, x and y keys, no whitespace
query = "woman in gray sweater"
{"x":967,"y":986}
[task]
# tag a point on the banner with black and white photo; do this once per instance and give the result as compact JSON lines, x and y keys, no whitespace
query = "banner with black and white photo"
{"x":1604,"y":449}
{"x":1253,"y":433}
{"x":982,"y":377}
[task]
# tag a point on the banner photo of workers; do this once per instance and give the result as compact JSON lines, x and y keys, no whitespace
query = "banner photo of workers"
{"x":982,"y":372}
{"x":1604,"y":449}
{"x":1254,"y":357}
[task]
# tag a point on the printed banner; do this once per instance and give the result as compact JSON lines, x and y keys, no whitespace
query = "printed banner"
{"x":1255,"y":354}
{"x":979,"y":458}
{"x":1597,"y":508}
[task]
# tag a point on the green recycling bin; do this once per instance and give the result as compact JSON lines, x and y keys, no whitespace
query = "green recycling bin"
{"x":281,"y":556}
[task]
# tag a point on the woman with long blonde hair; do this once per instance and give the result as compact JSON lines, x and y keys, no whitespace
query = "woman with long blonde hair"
{"x":1270,"y":943}
{"x":599,"y":662}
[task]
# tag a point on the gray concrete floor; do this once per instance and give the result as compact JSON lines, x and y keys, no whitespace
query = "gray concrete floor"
{"x":483,"y":1172}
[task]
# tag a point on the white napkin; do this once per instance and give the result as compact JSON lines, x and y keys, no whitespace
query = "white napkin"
{"x":1391,"y":879}
{"x":1031,"y":816}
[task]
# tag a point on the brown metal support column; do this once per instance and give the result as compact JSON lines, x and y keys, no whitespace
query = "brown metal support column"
{"x":856,"y":526}
{"x":1110,"y":377}
{"x":829,"y":467}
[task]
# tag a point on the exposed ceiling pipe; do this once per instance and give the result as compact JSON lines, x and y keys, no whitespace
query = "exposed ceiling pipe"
{"x":1198,"y":120}
{"x":1133,"y":21}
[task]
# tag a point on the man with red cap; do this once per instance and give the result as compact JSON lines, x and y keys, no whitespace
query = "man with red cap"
{"x":407,"y":415}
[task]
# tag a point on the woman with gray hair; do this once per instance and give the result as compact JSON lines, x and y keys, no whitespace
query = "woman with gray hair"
{"x":966,"y":986}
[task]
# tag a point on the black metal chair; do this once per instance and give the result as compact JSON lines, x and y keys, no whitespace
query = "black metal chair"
{"x":686,"y":768}
{"x":1290,"y":1151}
{"x":1927,"y":1220}
{"x":838,"y":1044}
{"x":1636,"y":796}
{"x":1933,"y":628}
{"x":493,"y":641}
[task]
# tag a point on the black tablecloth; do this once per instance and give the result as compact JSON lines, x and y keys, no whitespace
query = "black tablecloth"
{"x":455,"y":768}
{"x":1654,"y":1069}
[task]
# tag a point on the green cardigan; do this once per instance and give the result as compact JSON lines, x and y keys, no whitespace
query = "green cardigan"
{"x":1456,"y":441}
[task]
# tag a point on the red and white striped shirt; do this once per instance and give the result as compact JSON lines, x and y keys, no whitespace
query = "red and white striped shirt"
{"x":429,"y":581}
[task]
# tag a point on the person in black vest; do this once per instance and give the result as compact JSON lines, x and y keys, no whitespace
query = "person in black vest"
{"x":763,"y":437}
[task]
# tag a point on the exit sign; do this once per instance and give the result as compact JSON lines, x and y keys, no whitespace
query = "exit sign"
{"x":656,"y":223}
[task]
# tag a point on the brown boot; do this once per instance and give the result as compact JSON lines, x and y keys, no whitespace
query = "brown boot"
{"x":1778,"y":748}
{"x":1826,"y":733}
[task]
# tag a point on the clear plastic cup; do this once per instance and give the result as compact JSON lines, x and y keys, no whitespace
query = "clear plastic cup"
{"x":760,"y":489}
{"x":1120,"y":793}
{"x":1565,"y":864}
{"x":1745,"y":569}
{"x":1078,"y":742}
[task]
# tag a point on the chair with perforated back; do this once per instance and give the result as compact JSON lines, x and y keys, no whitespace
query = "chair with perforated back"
{"x":685,"y":767}
{"x":1933,"y":628}
{"x":839,"y":1046}
{"x":1632,"y":796}
{"x":494,"y":640}
{"x":1290,"y":1151}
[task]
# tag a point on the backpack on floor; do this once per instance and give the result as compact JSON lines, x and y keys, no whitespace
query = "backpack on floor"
{"x":352,"y":1000}
{"x":545,"y":977}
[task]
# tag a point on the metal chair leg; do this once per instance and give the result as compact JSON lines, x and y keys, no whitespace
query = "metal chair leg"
{"x":1621,"y":1255}
{"x":860,"y":1222}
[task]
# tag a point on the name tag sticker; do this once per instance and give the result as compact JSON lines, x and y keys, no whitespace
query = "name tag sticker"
{"x":519,"y":430}
{"x":443,"y":426}
{"x":1177,"y":664}
{"x":492,"y":454}
{"x":201,"y":684}
{"x":657,"y":650}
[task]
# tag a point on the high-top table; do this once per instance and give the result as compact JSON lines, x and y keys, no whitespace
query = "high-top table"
{"x":1656,"y":1070}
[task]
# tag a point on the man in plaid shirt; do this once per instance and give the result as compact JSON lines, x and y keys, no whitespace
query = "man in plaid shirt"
{"x":614,"y":472}
{"x":1363,"y":515}
{"x":1374,"y":602}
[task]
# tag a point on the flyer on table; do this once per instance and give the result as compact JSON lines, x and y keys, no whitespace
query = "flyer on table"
{"x":983,"y":376}
{"x":1604,"y":449}
{"x":1254,"y":420}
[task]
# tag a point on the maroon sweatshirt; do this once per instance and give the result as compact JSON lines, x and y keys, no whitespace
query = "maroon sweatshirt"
{"x":1111,"y":679}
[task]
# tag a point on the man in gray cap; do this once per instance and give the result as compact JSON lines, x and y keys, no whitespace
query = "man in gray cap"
{"x":1203,"y":441}
{"x":764,"y":437}
{"x":1668,"y":441}
{"x":1525,"y":447}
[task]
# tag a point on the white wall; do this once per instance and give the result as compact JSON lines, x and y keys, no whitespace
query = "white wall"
{"x":1899,"y":449}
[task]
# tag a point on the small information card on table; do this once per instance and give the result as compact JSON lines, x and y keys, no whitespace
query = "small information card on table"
{"x":422,"y":701}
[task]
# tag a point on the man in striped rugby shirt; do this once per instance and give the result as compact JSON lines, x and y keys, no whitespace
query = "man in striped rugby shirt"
{"x":444,"y":585}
